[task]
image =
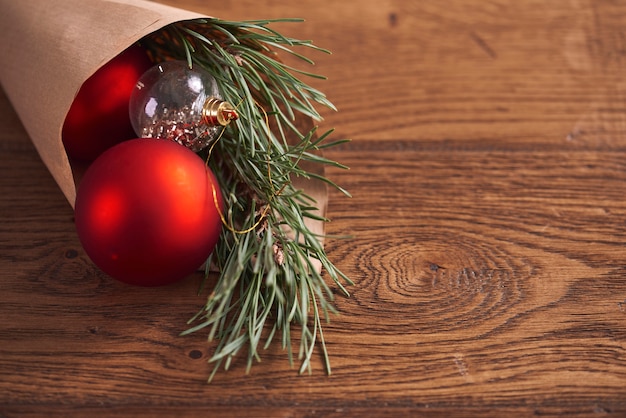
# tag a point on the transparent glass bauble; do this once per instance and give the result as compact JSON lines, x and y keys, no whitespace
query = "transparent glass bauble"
{"x":172,"y":101}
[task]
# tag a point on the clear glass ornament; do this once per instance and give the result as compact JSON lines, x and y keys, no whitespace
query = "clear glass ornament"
{"x":172,"y":101}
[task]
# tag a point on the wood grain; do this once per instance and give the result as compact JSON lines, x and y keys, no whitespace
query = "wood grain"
{"x":487,"y":230}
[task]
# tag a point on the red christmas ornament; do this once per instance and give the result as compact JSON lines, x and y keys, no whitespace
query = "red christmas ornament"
{"x":146,"y":212}
{"x":98,"y":117}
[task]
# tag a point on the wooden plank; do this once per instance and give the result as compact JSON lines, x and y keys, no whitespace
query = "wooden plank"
{"x":497,"y":71}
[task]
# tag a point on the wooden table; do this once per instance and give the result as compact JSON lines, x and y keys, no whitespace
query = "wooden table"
{"x":488,"y":168}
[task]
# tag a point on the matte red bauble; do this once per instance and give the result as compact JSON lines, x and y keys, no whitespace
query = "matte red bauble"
{"x":98,"y":117}
{"x":146,"y":212}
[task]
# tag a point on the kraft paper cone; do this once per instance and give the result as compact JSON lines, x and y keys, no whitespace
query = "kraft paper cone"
{"x":50,"y":47}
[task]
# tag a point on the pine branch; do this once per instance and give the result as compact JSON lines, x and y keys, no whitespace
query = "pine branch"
{"x":268,"y":277}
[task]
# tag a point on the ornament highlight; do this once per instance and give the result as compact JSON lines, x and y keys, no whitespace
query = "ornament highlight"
{"x":147,"y":212}
{"x":172,"y":101}
{"x":98,"y":117}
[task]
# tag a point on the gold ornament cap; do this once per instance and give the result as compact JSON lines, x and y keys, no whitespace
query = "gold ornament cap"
{"x":218,"y":112}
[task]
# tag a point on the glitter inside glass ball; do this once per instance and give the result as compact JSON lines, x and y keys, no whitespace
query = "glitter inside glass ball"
{"x":168,"y":102}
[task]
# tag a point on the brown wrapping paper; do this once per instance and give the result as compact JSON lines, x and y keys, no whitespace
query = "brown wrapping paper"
{"x":50,"y":47}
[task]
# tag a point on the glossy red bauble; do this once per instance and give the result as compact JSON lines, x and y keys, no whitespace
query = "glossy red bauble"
{"x":146,"y":212}
{"x":98,"y":117}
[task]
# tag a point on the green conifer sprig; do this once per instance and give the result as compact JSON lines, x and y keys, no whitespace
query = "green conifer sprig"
{"x":268,"y":259}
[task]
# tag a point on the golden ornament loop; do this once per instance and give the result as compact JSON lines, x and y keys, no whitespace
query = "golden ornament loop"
{"x":218,"y":112}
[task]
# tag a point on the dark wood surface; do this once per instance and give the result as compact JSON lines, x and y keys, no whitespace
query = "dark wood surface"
{"x":488,"y":168}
